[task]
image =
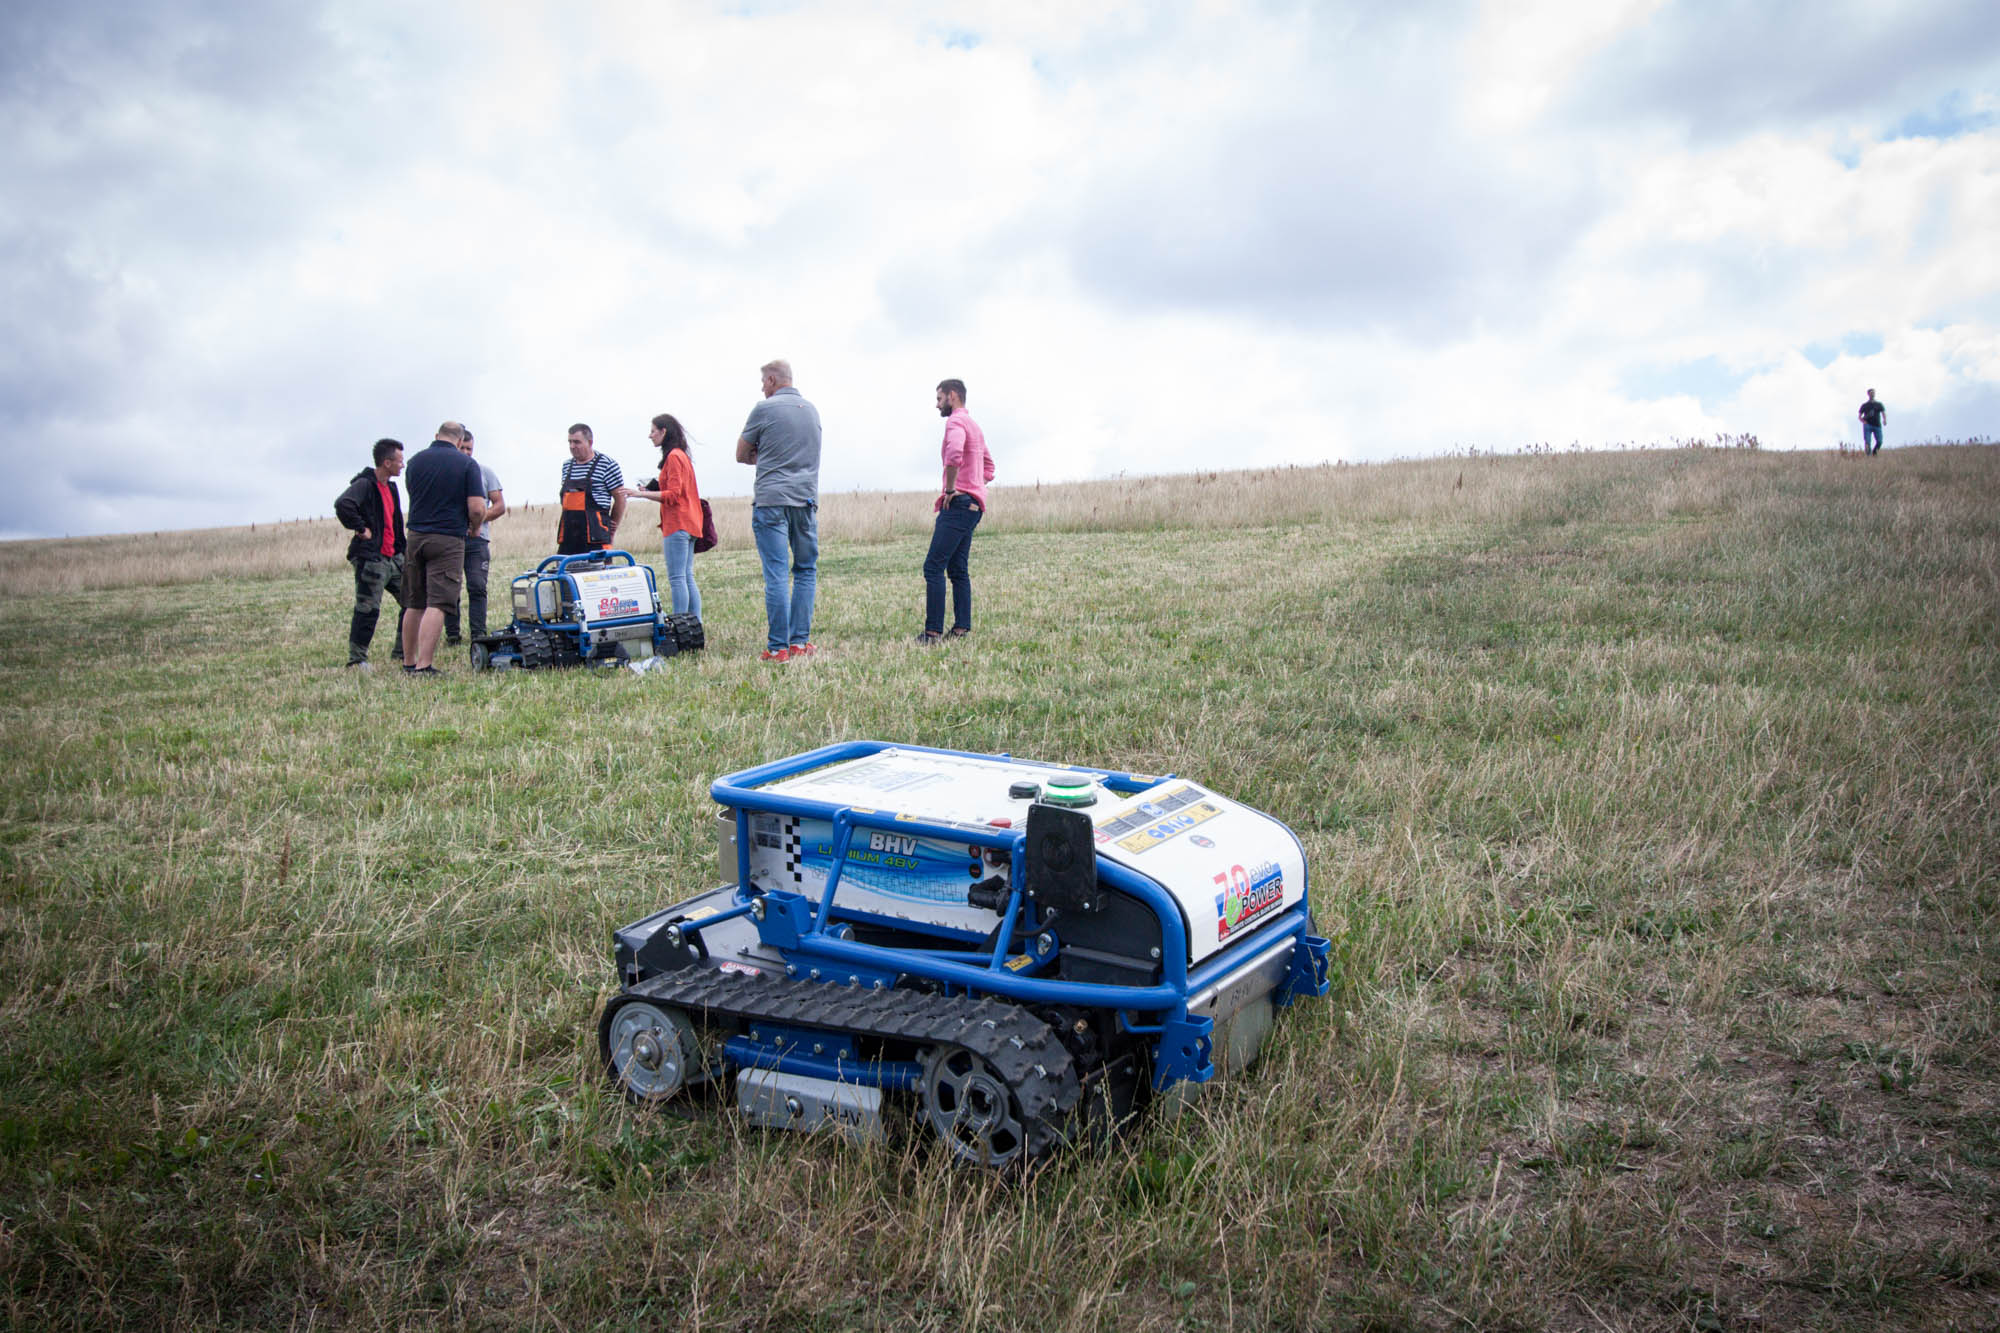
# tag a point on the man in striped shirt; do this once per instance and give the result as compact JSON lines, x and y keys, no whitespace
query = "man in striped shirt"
{"x":591,"y":506}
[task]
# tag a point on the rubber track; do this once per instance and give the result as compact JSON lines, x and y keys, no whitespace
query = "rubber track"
{"x":686,"y":631}
{"x":540,"y":648}
{"x":1020,"y":1047}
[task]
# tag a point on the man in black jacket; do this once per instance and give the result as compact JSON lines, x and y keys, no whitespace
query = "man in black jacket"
{"x":371,"y":507}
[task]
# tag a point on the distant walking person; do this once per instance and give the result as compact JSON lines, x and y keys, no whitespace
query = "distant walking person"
{"x":373,"y":511}
{"x":591,"y":505}
{"x":478,"y":554}
{"x":782,"y":439}
{"x":680,"y":512}
{"x":1873,"y":414}
{"x":959,"y":507}
{"x":447,"y":505}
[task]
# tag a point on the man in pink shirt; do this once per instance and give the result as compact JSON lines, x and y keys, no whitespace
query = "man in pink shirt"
{"x":967,"y":469}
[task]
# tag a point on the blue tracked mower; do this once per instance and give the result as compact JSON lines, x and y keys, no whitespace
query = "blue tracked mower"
{"x":1022,"y":954}
{"x":600,"y":608}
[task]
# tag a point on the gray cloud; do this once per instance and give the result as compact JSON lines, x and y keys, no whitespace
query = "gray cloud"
{"x":1406,"y":230}
{"x":240,"y":243}
{"x":66,"y":325}
{"x":1344,"y":195}
{"x":71,"y":65}
{"x":1724,"y":70}
{"x":1970,"y":411}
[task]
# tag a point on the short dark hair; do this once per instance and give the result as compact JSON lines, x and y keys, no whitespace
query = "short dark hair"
{"x":673,"y":436}
{"x":383,"y":448}
{"x":953,"y":386}
{"x":580,"y":429}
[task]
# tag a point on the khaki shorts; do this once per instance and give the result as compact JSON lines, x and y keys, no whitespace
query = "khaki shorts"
{"x":435,"y":573}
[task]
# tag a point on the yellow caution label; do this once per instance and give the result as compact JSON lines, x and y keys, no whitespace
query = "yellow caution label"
{"x":1171,"y":827}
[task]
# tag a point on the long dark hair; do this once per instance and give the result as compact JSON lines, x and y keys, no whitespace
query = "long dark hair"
{"x":674,"y":438}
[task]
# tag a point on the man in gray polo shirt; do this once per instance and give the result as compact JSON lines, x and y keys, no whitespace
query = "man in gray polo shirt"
{"x":782,"y":439}
{"x":478,"y":553}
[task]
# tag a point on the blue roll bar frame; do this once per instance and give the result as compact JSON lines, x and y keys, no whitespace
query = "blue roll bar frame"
{"x":804,"y":931}
{"x":554,"y":568}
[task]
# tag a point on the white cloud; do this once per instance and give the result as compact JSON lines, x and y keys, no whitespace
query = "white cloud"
{"x":1150,"y":240}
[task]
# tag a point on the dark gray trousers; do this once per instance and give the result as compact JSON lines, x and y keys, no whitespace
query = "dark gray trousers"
{"x":373,"y":575}
{"x":478,"y":562}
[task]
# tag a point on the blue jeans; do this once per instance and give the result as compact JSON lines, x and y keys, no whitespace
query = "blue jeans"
{"x":1871,"y":439}
{"x":950,"y":555}
{"x":679,"y":554}
{"x":784,"y":531}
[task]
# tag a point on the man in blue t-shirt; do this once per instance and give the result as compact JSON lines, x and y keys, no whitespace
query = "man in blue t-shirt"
{"x":782,"y":439}
{"x":447,"y":505}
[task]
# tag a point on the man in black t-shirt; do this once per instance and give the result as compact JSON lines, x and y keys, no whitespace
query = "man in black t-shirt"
{"x":447,"y":505}
{"x":1873,"y":414}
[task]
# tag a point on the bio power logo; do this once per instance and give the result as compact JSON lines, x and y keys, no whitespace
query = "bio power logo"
{"x":1246,"y":896}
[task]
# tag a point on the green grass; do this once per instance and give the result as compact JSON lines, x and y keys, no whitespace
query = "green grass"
{"x":1649,"y":802}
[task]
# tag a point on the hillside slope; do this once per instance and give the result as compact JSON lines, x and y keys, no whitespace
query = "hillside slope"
{"x":1649,"y":802}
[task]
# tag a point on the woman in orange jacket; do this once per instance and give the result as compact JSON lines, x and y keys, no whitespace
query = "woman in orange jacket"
{"x":680,"y":512}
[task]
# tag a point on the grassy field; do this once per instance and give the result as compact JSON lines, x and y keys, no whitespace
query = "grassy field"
{"x":1649,"y":800}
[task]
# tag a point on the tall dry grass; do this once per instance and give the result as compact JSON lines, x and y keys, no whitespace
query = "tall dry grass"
{"x":1481,"y":489}
{"x":1652,"y":806}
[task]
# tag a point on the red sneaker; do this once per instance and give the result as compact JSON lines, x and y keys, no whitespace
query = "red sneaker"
{"x":803,"y":649}
{"x":777,"y":656}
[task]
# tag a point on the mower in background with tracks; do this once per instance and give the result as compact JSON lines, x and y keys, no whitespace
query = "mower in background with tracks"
{"x":600,"y":608}
{"x":1021,"y":954}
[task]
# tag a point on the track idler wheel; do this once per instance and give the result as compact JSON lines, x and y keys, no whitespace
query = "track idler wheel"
{"x":650,"y":1050}
{"x":972,"y":1109}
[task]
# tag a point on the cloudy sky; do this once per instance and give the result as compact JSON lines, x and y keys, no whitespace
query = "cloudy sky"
{"x":241,"y":241}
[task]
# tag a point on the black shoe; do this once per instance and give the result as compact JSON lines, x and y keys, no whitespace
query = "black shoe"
{"x":453,"y":640}
{"x":928,"y":639}
{"x":957,"y":632}
{"x":423,"y":671}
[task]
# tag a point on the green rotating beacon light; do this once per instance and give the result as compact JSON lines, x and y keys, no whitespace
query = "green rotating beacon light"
{"x":1074,"y":790}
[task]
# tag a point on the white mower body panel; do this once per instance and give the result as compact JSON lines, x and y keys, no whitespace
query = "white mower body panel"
{"x":1229,"y":867}
{"x":614,"y":594}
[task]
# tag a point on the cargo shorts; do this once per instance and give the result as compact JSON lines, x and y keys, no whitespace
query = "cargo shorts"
{"x":436,"y":572}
